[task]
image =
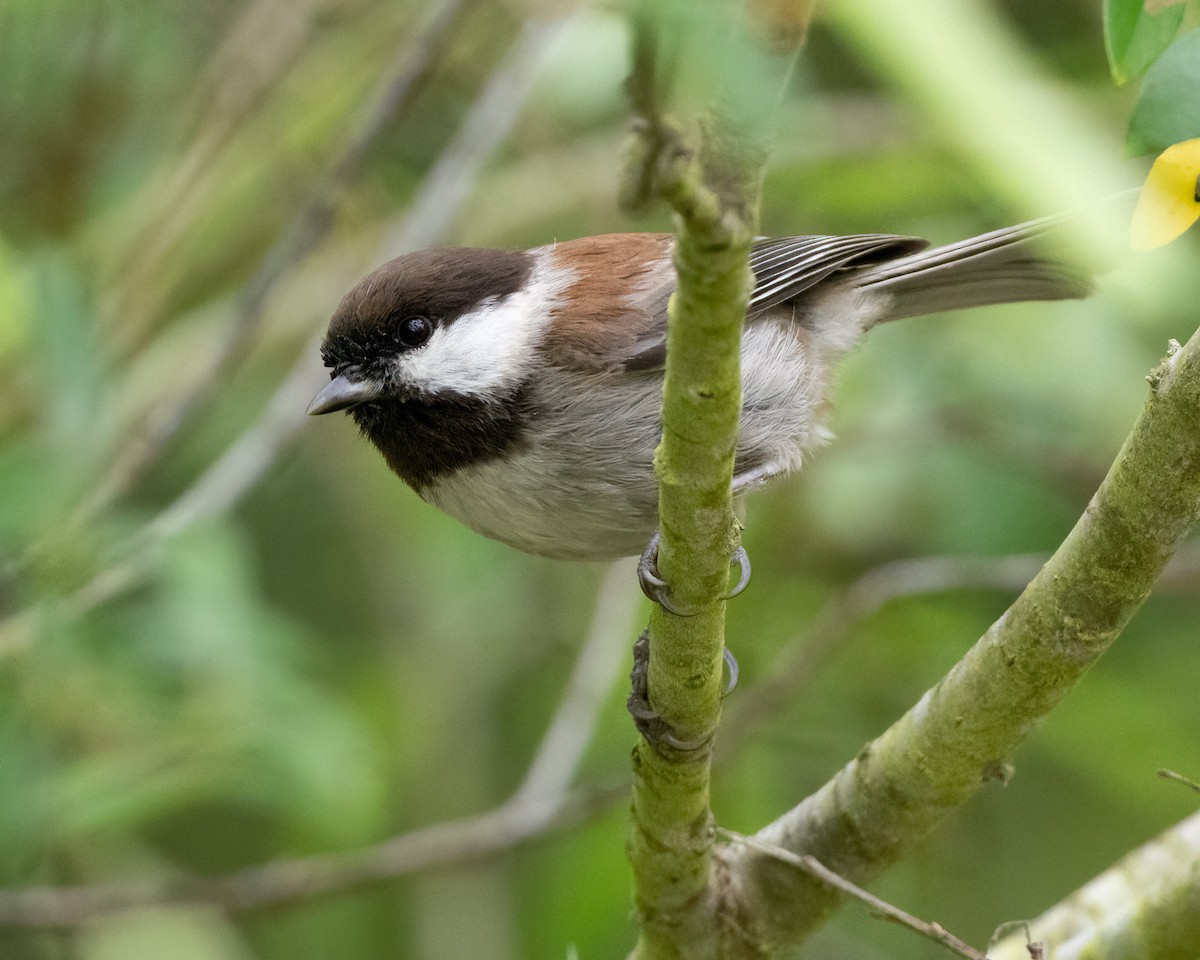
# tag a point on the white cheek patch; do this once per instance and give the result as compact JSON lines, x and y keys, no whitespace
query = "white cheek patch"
{"x":490,"y":349}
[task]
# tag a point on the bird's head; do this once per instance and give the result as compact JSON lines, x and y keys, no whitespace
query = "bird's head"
{"x":429,"y":324}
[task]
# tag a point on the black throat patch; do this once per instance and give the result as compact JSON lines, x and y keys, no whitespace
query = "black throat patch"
{"x":428,"y":438}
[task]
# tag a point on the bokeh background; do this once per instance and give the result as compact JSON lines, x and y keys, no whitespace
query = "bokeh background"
{"x":229,"y":636}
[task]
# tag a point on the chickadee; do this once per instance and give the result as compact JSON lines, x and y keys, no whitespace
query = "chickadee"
{"x":519,"y":391}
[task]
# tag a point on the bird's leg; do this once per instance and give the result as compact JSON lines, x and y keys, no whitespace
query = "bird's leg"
{"x":657,"y":589}
{"x":653,"y":727}
{"x":650,"y":725}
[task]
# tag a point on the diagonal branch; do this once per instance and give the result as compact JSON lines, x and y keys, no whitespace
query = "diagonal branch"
{"x":964,"y":731}
{"x":1145,"y":905}
{"x":289,"y":881}
{"x":804,"y":657}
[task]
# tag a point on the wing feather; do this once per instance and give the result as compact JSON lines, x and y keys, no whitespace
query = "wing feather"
{"x":784,"y":268}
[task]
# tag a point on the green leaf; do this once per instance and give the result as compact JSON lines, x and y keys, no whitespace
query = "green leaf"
{"x":1134,"y":38}
{"x":1168,"y":110}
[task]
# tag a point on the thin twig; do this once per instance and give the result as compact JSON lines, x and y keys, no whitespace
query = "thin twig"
{"x":814,"y":868}
{"x":286,"y":881}
{"x":1009,"y":930}
{"x":1179,"y":778}
{"x":404,"y":80}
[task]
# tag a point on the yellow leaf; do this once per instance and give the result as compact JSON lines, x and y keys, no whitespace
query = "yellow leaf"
{"x":1170,"y":199}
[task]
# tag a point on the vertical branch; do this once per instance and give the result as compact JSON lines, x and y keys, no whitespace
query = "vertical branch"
{"x":713,"y":190}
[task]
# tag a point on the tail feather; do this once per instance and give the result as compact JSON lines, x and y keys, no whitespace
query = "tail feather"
{"x":997,"y":267}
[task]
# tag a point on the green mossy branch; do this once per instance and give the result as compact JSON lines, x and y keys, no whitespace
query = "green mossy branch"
{"x":713,"y":190}
{"x":672,"y":838}
{"x":964,"y":731}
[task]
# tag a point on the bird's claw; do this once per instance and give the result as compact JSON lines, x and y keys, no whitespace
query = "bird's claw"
{"x":650,"y":725}
{"x":742,"y":559}
{"x":653,"y":585}
{"x":657,"y":589}
{"x":731,"y":665}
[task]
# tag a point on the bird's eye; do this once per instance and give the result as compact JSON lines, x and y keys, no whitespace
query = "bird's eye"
{"x":414,"y":331}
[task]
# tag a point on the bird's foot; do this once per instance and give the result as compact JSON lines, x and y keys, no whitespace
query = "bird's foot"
{"x":651,"y":726}
{"x":658,"y":590}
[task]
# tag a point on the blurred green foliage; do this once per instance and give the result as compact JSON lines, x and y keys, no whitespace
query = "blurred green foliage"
{"x":1166,"y":111}
{"x":331,"y":661}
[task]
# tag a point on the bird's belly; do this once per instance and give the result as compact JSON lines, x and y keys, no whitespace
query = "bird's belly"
{"x":553,"y":510}
{"x":581,"y":483}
